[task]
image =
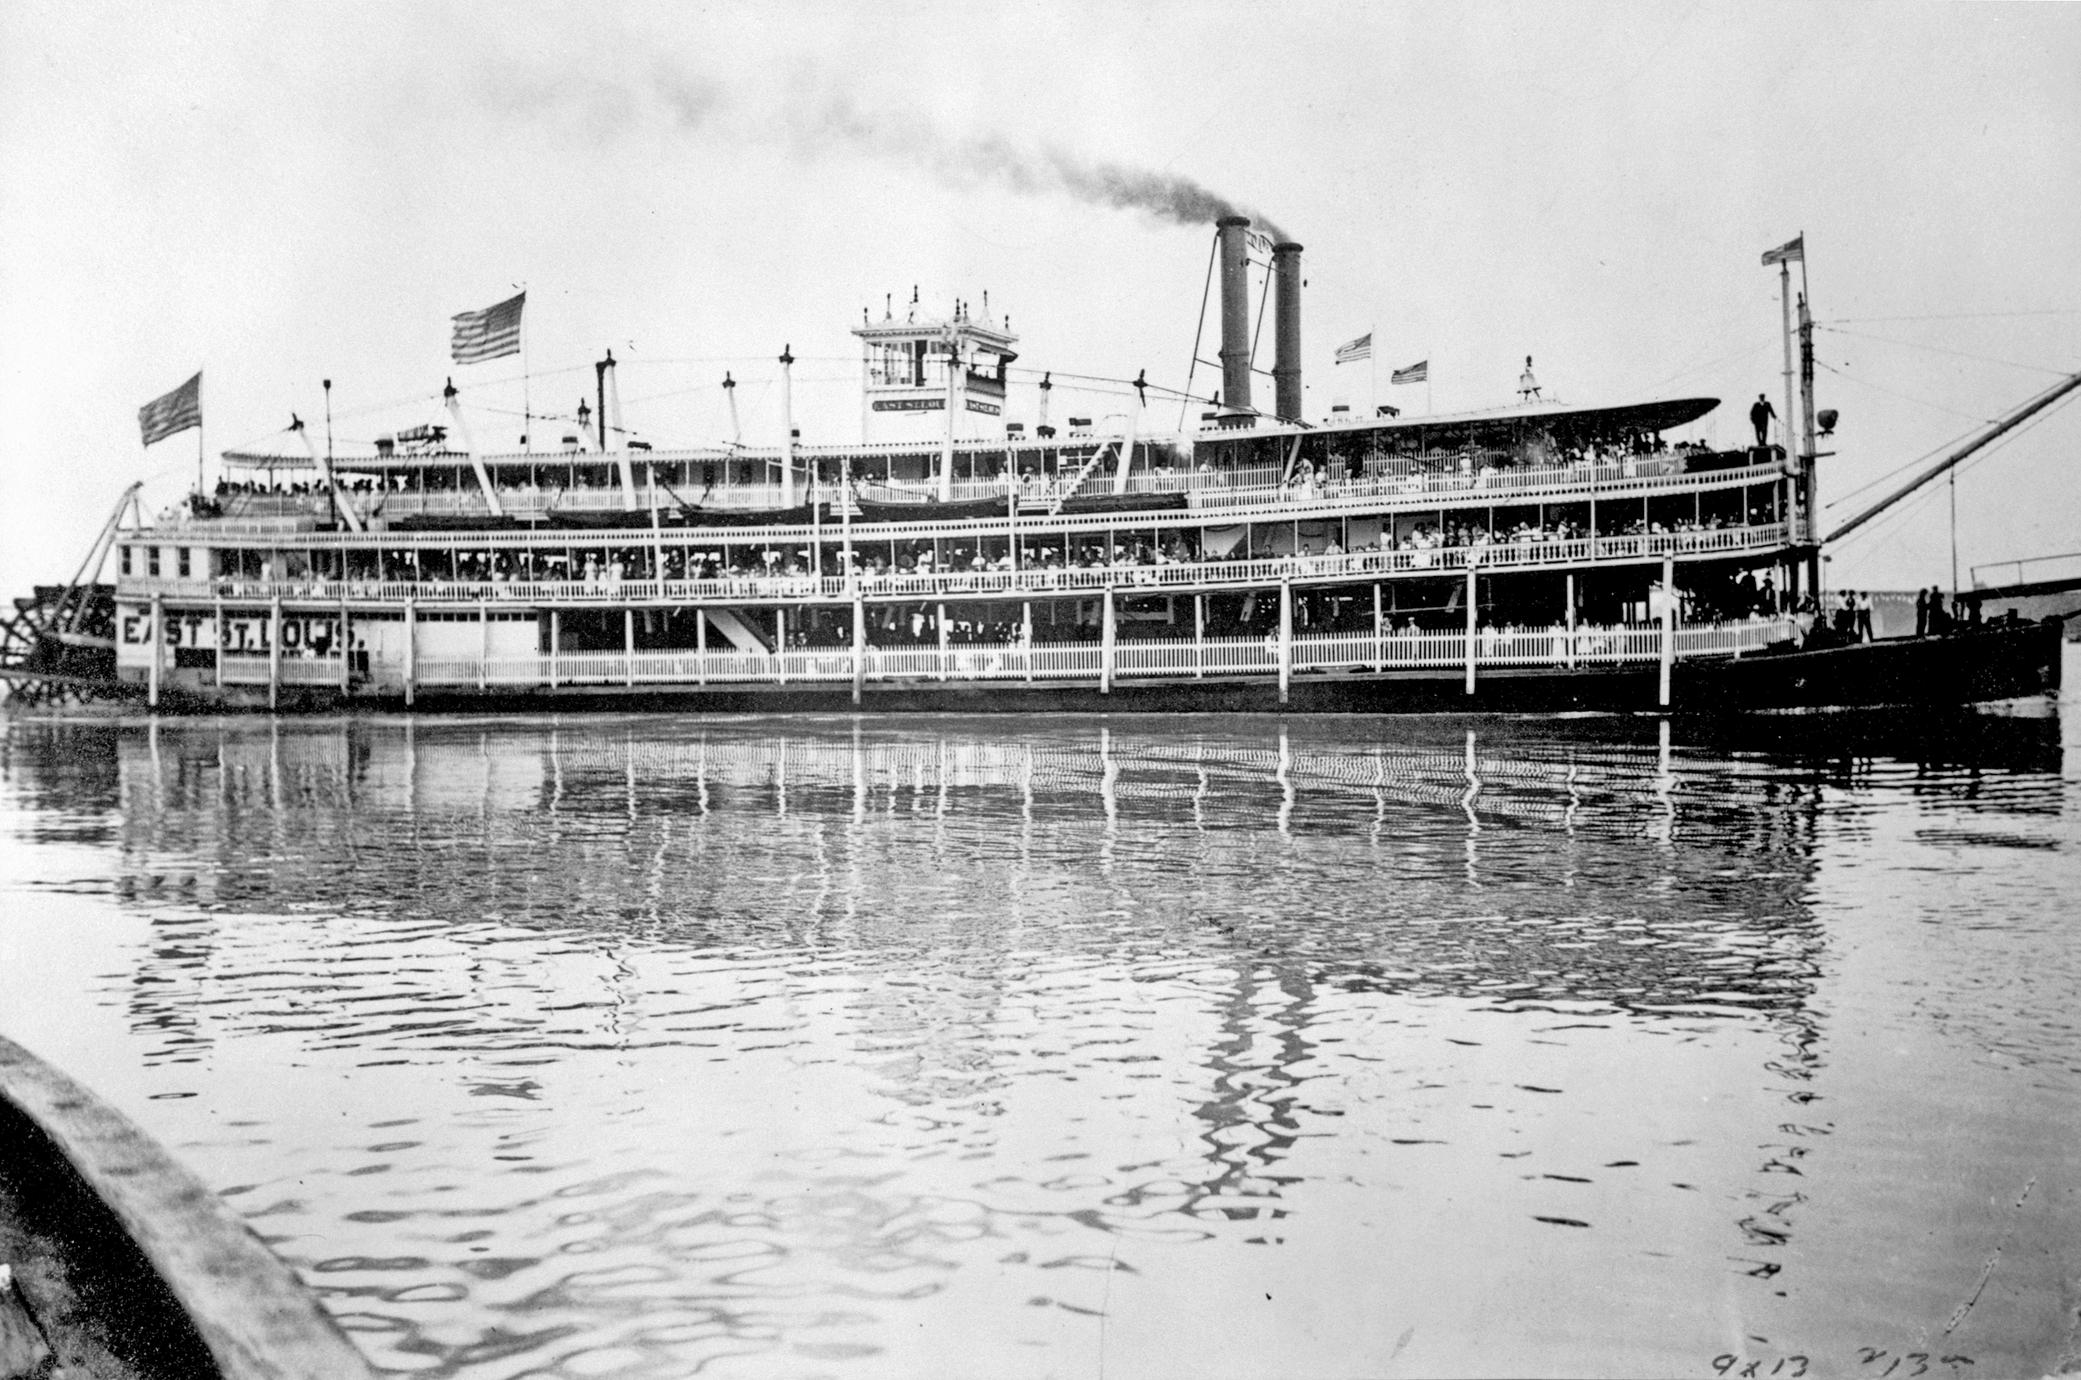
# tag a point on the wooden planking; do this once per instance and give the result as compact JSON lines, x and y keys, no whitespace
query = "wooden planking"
{"x":256,"y":1318}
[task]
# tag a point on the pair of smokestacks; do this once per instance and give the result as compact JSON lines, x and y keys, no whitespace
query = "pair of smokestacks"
{"x":1233,"y":236}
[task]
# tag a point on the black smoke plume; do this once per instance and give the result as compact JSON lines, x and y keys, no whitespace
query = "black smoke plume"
{"x":899,"y":136}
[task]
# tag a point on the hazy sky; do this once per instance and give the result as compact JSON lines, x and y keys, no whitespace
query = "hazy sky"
{"x":278,"y":193}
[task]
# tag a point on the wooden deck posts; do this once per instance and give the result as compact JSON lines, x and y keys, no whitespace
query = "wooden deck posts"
{"x":628,"y":647}
{"x":1569,"y":617}
{"x":1106,"y":636}
{"x":1199,"y":636}
{"x":1026,"y":623}
{"x":156,"y":630}
{"x":859,"y":643}
{"x":1473,"y":611}
{"x":411,"y":652}
{"x":1668,"y":626}
{"x":483,"y":647}
{"x":274,"y":652}
{"x":1379,"y":632}
{"x":556,"y":641}
{"x":1285,"y":640}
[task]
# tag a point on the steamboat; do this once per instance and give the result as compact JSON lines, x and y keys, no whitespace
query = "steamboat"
{"x":971,"y":552}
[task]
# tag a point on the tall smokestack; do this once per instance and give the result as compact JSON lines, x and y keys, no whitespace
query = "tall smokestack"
{"x":1286,"y":295}
{"x":1235,"y":311}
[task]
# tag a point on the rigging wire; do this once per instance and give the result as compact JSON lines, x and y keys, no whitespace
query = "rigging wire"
{"x":1896,"y":393}
{"x":1947,"y":316}
{"x":1258,"y":333}
{"x":1952,"y":444}
{"x":1689,"y":370}
{"x":1916,"y":503}
{"x":1940,"y":350}
{"x":1199,"y":329}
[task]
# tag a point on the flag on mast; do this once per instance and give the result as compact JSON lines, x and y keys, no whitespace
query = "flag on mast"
{"x":1419,"y":372}
{"x":1352,"y":351}
{"x":1791,"y":251}
{"x":488,"y":334}
{"x":175,"y":412}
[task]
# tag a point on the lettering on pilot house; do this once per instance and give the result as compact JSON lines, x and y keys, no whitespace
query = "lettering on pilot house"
{"x":241,"y":632}
{"x":933,"y":405}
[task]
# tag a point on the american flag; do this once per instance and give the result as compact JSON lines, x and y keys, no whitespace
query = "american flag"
{"x":177,"y":411}
{"x":1792,"y":251}
{"x":1351,"y":351}
{"x":487,"y":334}
{"x":1419,"y":372}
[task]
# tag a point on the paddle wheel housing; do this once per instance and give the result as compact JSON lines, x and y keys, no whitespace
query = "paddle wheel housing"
{"x":59,"y":646}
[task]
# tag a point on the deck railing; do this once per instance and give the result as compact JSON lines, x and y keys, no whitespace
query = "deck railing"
{"x":1031,"y":582}
{"x":1168,"y":658}
{"x":1384,"y":485}
{"x":292,"y":669}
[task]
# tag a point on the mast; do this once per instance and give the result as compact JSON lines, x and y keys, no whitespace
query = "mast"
{"x":1785,"y":308}
{"x":1957,"y":457}
{"x":1811,"y":453}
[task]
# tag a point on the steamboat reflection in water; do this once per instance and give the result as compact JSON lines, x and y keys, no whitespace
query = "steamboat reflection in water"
{"x":606,"y":830}
{"x":948,"y":907}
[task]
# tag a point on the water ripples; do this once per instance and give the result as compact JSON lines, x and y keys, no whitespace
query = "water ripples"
{"x":648,"y":1047}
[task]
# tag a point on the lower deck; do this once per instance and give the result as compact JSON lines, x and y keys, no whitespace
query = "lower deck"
{"x":408,"y":661}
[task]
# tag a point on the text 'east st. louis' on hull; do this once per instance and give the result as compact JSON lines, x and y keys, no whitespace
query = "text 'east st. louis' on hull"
{"x":1535,"y":557}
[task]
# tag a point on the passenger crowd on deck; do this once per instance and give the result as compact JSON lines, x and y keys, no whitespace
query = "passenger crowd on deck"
{"x":1420,"y":546}
{"x":1352,"y":466}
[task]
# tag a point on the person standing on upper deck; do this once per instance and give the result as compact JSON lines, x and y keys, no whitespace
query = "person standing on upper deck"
{"x":1761,"y":415}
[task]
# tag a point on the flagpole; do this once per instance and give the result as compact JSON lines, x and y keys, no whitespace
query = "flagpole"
{"x":200,"y":449}
{"x":527,"y":413}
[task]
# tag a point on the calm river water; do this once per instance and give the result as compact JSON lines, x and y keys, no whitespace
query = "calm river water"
{"x":1078,"y":1046}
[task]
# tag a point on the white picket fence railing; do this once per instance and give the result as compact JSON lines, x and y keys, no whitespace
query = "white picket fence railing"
{"x":1167,"y":658}
{"x":1036,"y":582}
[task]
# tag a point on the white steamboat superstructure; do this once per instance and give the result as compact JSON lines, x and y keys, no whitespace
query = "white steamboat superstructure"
{"x":971,"y":549}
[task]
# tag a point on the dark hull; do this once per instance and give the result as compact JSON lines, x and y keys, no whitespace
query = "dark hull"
{"x":1977,"y":667}
{"x":1982,"y":666}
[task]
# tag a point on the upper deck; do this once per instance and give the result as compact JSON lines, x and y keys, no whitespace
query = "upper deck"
{"x":1524,"y":456}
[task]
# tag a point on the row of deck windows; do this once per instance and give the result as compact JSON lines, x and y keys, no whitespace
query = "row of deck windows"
{"x":678,"y":556}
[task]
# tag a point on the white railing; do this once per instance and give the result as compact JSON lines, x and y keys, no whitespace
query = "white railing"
{"x":1154,"y":659}
{"x":959,"y":491}
{"x":1213,"y":490}
{"x":1751,"y":635}
{"x":234,"y":669}
{"x":1650,"y":474}
{"x":312,"y":670}
{"x":246,"y":669}
{"x":1127,"y":580}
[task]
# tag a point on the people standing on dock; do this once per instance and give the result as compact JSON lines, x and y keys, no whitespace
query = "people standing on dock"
{"x":1761,"y":414}
{"x":1921,"y":613}
{"x":1863,"y":606}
